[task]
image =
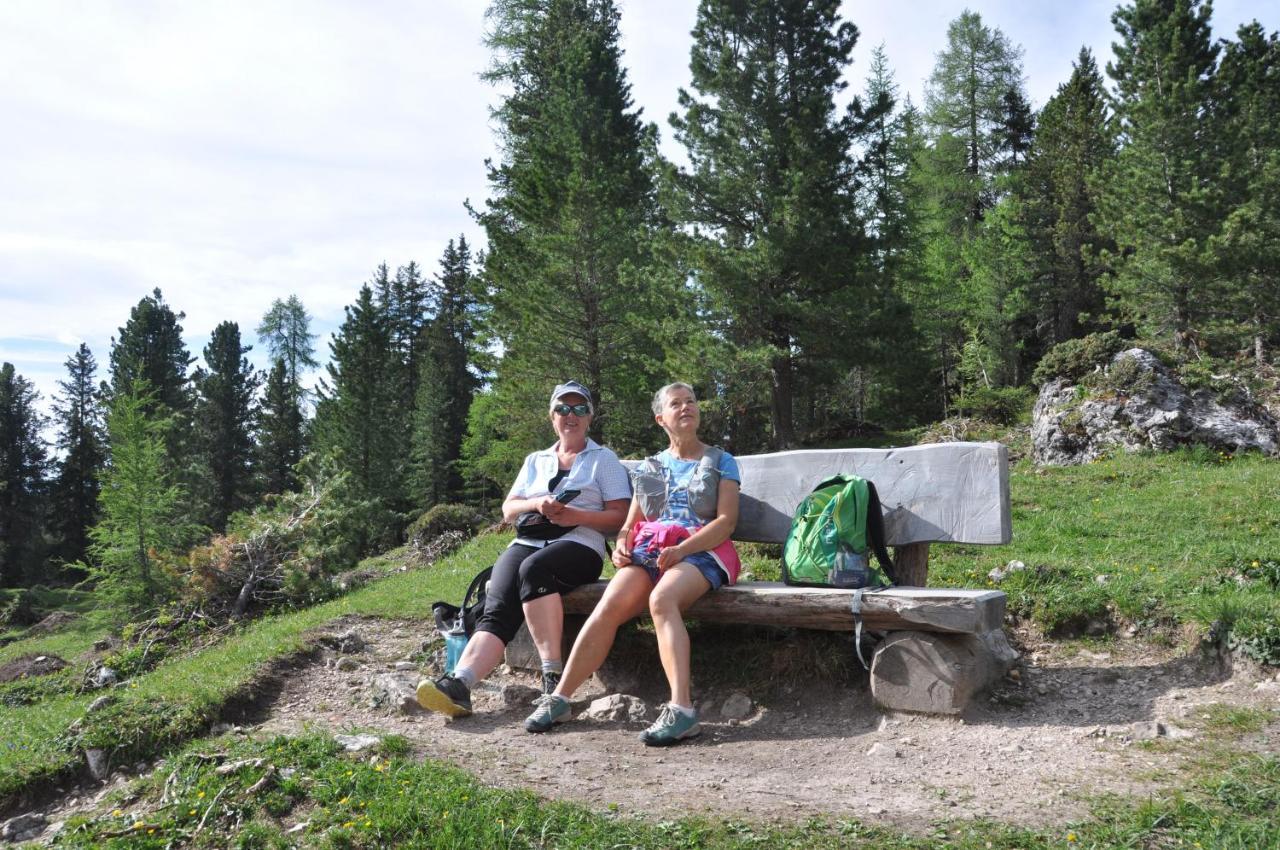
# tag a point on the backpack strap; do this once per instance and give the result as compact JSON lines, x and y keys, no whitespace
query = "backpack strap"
{"x":856,"y":607}
{"x":875,"y":533}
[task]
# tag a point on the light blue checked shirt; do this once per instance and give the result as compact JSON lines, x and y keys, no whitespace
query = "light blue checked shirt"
{"x":596,"y":471}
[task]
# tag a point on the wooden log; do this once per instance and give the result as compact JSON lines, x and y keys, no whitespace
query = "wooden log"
{"x":767,"y":603}
{"x":911,"y":564}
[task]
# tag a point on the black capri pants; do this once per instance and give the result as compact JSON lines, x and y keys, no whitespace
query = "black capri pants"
{"x":524,"y":573}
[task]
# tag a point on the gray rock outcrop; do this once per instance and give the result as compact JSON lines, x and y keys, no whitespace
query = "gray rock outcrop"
{"x":1144,"y":406}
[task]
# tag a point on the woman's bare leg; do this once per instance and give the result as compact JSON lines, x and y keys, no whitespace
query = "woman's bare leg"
{"x":626,"y":597}
{"x":677,"y":589}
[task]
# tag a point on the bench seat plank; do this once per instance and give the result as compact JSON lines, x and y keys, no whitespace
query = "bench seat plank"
{"x":771,"y":603}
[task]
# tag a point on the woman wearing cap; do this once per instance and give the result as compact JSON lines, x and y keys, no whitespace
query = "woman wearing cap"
{"x":673,"y":549}
{"x":540,"y":564}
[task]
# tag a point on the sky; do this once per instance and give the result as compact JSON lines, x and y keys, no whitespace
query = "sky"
{"x":236,"y":152}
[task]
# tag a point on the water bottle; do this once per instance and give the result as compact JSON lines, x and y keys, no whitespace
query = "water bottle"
{"x":455,"y":640}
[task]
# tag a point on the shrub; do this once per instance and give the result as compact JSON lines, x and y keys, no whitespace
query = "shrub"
{"x":439,"y":520}
{"x":1076,"y":358}
{"x":1004,"y":405}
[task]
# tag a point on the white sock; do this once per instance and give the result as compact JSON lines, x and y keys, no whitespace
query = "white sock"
{"x":687,"y":711}
{"x":552,"y":666}
{"x":465,"y":676}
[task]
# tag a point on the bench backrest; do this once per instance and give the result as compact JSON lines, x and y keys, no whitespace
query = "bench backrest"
{"x":941,"y":492}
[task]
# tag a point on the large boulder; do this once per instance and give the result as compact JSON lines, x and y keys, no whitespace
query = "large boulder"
{"x":1137,"y":403}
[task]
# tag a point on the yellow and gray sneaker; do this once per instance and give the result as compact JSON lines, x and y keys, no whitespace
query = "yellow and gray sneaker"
{"x":446,"y":695}
{"x":672,"y":726}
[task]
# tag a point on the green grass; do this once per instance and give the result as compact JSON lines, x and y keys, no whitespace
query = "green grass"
{"x":394,"y":799}
{"x":1173,"y":537}
{"x":179,"y":698}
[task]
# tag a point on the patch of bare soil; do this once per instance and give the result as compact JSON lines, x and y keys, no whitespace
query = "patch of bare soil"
{"x":1068,"y":725}
{"x":27,"y":666}
{"x":1032,"y":753}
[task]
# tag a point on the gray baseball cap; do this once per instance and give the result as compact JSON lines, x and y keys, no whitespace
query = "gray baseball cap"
{"x":568,"y":388}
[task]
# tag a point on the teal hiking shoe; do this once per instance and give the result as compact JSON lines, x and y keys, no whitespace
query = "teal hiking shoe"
{"x":671,"y":727}
{"x":551,"y":709}
{"x":446,"y":695}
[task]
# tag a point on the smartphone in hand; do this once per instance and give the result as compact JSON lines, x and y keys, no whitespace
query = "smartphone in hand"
{"x":567,"y":496}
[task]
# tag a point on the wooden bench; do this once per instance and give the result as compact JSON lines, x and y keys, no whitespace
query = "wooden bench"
{"x":944,"y":645}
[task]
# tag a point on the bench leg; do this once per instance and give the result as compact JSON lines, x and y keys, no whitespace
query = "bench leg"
{"x":911,"y":564}
{"x":936,"y":673}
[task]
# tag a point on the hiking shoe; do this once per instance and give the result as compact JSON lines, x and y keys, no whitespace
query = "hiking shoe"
{"x":446,"y":695}
{"x":551,"y":709}
{"x":550,"y":681}
{"x":671,"y":727}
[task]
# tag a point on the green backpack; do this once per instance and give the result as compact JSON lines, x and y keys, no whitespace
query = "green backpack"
{"x":834,"y":530}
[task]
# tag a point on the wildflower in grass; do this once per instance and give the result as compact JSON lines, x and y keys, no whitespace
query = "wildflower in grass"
{"x":343,"y":801}
{"x":117,"y":813}
{"x":192,"y":812}
{"x":349,"y":824}
{"x":138,"y":824}
{"x":1071,"y":836}
{"x":200,"y":795}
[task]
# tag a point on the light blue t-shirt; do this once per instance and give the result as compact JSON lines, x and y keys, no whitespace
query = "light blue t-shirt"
{"x":678,"y":472}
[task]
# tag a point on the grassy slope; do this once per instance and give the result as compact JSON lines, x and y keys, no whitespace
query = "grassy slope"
{"x":1166,"y":554}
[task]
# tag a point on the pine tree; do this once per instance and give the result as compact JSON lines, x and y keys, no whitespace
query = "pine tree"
{"x":22,"y":480}
{"x":82,"y":444}
{"x":286,"y":331}
{"x":1058,"y":198}
{"x":150,"y":348}
{"x":1158,"y":204}
{"x":280,"y":436}
{"x":574,"y":289}
{"x":447,"y":381}
{"x":1246,"y":249}
{"x":352,"y":414}
{"x":769,"y":192}
{"x":226,"y":418}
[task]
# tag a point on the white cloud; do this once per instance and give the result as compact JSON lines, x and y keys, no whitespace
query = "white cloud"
{"x":234,"y":152}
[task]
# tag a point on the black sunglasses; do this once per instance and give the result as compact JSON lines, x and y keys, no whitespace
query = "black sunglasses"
{"x":581,"y":409}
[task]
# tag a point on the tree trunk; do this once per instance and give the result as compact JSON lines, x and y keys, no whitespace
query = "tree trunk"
{"x":782,"y":408}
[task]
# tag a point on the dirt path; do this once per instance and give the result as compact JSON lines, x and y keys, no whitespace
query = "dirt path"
{"x":1068,"y":728}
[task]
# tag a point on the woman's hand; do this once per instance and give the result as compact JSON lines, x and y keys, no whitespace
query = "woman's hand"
{"x":548,"y":507}
{"x":670,"y":556}
{"x":621,"y":554}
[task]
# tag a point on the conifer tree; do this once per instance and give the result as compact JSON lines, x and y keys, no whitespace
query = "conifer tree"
{"x":286,"y":331}
{"x":769,"y":191}
{"x":352,"y":414}
{"x":574,"y":289}
{"x":1246,"y":249}
{"x":1058,"y":198}
{"x":447,"y":382}
{"x":975,"y":96}
{"x":81,"y":442}
{"x":140,"y":506}
{"x":23,"y":464}
{"x":150,"y":348}
{"x":226,"y":420}
{"x":280,"y":436}
{"x":1158,"y":204}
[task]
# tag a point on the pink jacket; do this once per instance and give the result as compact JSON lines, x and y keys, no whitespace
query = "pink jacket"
{"x":667,"y":534}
